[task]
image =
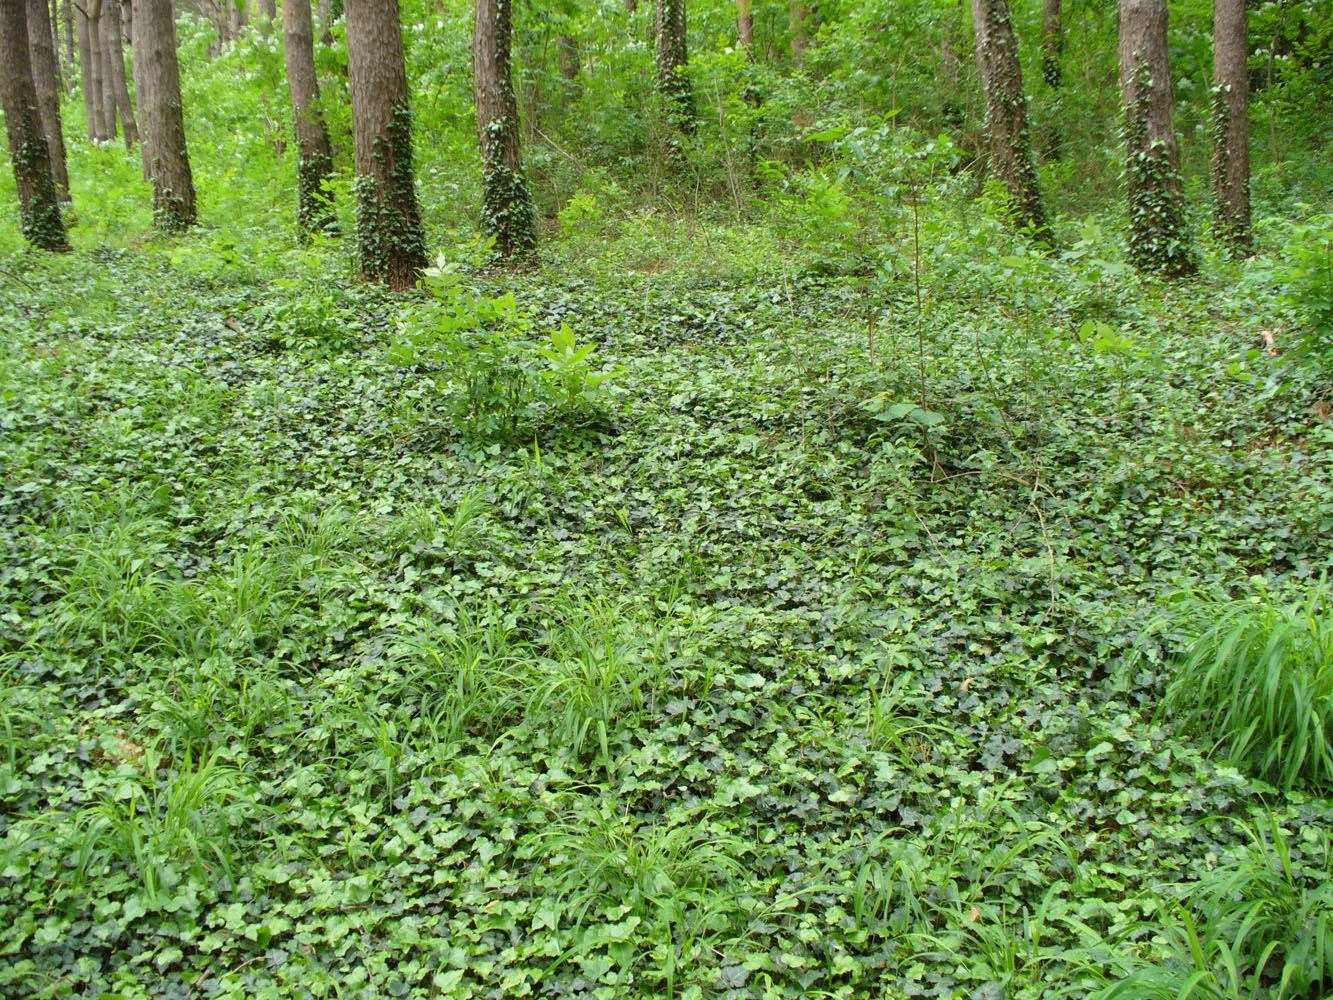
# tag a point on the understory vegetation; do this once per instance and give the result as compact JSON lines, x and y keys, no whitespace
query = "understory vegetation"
{"x":793,"y":583}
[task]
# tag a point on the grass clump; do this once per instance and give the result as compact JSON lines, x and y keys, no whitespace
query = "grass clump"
{"x":1258,"y":681}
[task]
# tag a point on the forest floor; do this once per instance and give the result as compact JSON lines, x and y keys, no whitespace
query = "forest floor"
{"x":760,"y":674}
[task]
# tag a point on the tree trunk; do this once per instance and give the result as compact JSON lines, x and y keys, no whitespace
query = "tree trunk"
{"x":389,"y":237}
{"x":164,"y":152}
{"x":42,"y":55}
{"x":745,"y":24}
{"x":39,"y":205}
{"x":567,"y":53}
{"x":314,"y":153}
{"x":1052,"y":44}
{"x":1158,"y":240}
{"x":106,"y":130}
{"x":268,"y":13}
{"x":237,"y":17}
{"x":632,"y":5}
{"x":1009,"y":145}
{"x":86,"y":72}
{"x":798,"y":19}
{"x":108,"y":35}
{"x":71,"y":56}
{"x":113,"y":61}
{"x":1231,"y":126}
{"x":507,"y":205}
{"x":325,"y":12}
{"x":53,"y":23}
{"x":672,"y":56}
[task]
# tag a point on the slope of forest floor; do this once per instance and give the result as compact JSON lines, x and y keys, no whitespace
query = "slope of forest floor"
{"x":819,"y":658}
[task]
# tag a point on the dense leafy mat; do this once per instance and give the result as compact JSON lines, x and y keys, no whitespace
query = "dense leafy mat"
{"x":754,"y":683}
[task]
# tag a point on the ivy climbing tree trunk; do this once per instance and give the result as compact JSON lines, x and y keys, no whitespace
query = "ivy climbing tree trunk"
{"x":314,"y":153}
{"x":113,"y":58}
{"x":39,"y":206}
{"x":1009,"y":145}
{"x":1231,"y":126}
{"x":507,"y":206}
{"x":672,"y":56}
{"x":389,"y":238}
{"x":1158,"y":239}
{"x":42,"y":52}
{"x":86,"y":72}
{"x":1052,"y":44}
{"x":158,"y":75}
{"x":745,"y":24}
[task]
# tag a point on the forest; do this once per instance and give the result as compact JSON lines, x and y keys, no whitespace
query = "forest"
{"x":666,"y":498}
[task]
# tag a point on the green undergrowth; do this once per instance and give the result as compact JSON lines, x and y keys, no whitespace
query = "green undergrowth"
{"x":820,"y":652}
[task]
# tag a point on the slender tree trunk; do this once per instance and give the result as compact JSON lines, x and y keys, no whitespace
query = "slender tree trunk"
{"x":567,"y":52}
{"x":325,"y":12}
{"x":53,"y":23}
{"x":158,"y":76}
{"x":389,"y":237}
{"x":798,"y":18}
{"x":1052,"y":44}
{"x":268,"y":13}
{"x":71,"y":55}
{"x":745,"y":24}
{"x":86,"y":72}
{"x":1009,"y":144}
{"x":631,"y":5}
{"x":507,"y":208}
{"x":237,"y":17}
{"x":39,"y":205}
{"x":1231,"y":126}
{"x":314,"y":152}
{"x":1158,"y":239}
{"x":42,"y":55}
{"x":113,"y":59}
{"x":106,"y":130}
{"x":672,"y":56}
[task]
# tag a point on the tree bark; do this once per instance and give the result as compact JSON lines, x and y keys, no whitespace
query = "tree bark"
{"x":71,"y":56}
{"x":113,"y":62}
{"x":86,"y":72}
{"x":53,"y":24}
{"x":507,"y":202}
{"x":1052,"y":44}
{"x":1158,"y":239}
{"x":42,"y":54}
{"x":106,"y":130}
{"x":39,"y":205}
{"x":745,"y":24}
{"x":389,"y":237}
{"x":314,"y":152}
{"x":1009,"y":145}
{"x":164,"y":151}
{"x":798,"y":19}
{"x":1231,"y":126}
{"x":568,"y":56}
{"x":105,"y":43}
{"x":268,"y":13}
{"x":672,"y":56}
{"x":325,"y":12}
{"x":632,"y":5}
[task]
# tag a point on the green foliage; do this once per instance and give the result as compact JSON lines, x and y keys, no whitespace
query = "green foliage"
{"x":1258,"y":680}
{"x":1307,"y":277}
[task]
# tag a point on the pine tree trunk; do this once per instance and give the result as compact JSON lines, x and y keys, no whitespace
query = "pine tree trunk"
{"x":1009,"y":144}
{"x":1052,"y":44}
{"x":798,"y":18}
{"x":507,"y":205}
{"x":745,"y":24}
{"x":1231,"y":126}
{"x":314,"y":152}
{"x":389,"y":237}
{"x":164,"y":152}
{"x":114,"y":64}
{"x":42,"y":55}
{"x":672,"y":56}
{"x":39,"y":206}
{"x":86,"y":72}
{"x":1158,"y":239}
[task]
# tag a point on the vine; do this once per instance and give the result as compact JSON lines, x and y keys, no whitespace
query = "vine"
{"x":1158,"y":238}
{"x":390,"y":243}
